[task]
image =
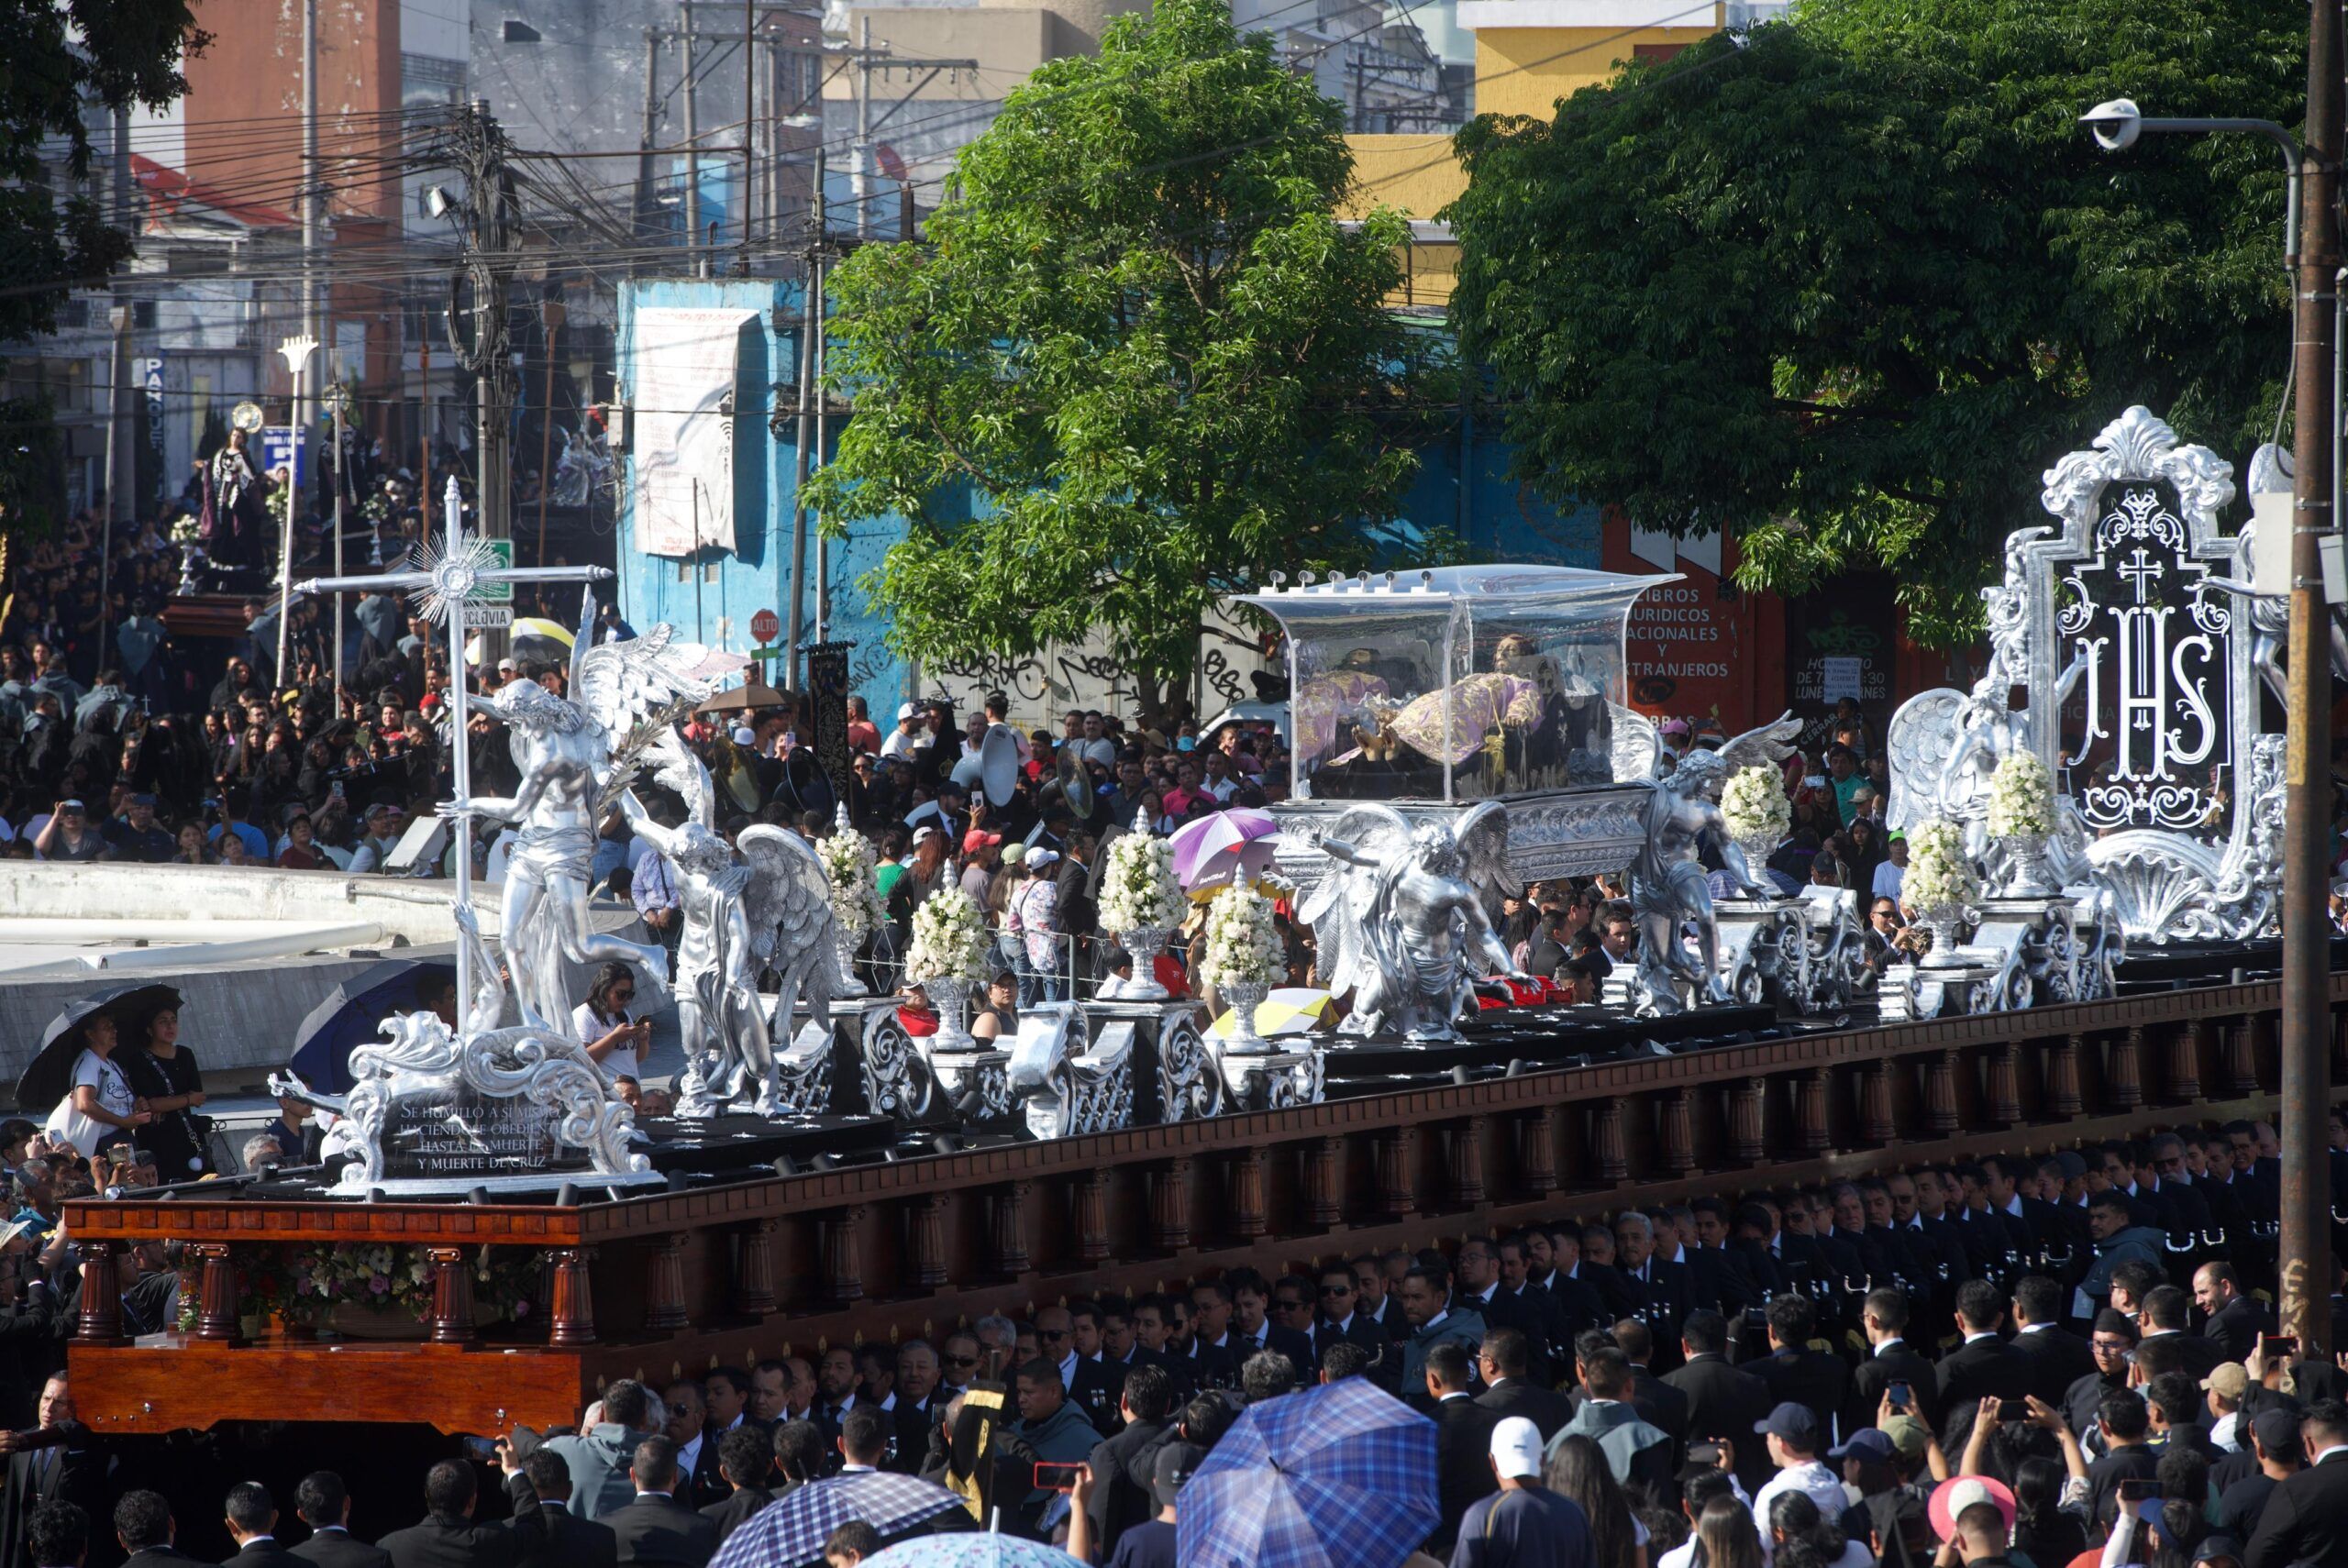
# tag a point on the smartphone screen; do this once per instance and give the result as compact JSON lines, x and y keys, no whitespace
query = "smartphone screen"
{"x":2139,"y":1491}
{"x":2282,"y":1344}
{"x":1056,"y":1477}
{"x":1902,"y":1397}
{"x":2013,"y":1410}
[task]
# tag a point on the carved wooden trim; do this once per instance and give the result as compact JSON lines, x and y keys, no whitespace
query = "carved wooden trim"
{"x":926,"y":1241}
{"x":1169,"y":1206}
{"x":754,"y":1270}
{"x":844,"y":1255}
{"x":1243,"y":1174}
{"x":1876,"y":1098}
{"x":2184,"y":1063}
{"x":1537,"y":1152}
{"x":571,"y":1319}
{"x":216,"y":1318}
{"x":2063,"y":1094}
{"x":2005,"y":1086}
{"x":664,"y":1286}
{"x":1397,"y":1189}
{"x":1748,"y":1117}
{"x":2123,"y":1071}
{"x":1810,"y":1124}
{"x":1939,"y":1093}
{"x":1092,"y":1217}
{"x":100,"y":1320}
{"x":1465,"y":1161}
{"x":1324,"y":1182}
{"x":1010,"y":1255}
{"x":1610,"y":1158}
{"x":1676,"y":1133}
{"x":2242,"y":1053}
{"x":451,"y":1322}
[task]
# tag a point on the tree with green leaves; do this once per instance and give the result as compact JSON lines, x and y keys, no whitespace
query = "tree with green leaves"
{"x":66,"y":58}
{"x":1845,"y":286}
{"x":1138,"y":363}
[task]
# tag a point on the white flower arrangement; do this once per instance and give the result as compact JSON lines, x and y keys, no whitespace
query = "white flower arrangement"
{"x":187,"y":531}
{"x":2021,"y":797}
{"x":1243,"y":945}
{"x":1753,"y":805}
{"x":1138,"y":891}
{"x":1940,"y":874}
{"x":856,"y":895}
{"x":950,"y":939}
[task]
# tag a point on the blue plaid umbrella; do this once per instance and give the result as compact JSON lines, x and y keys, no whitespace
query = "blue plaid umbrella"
{"x":792,"y":1531}
{"x":970,"y":1550}
{"x":1338,"y":1476}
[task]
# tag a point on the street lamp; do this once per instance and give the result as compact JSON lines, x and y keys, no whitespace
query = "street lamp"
{"x":2313,"y":256}
{"x":297,"y":352}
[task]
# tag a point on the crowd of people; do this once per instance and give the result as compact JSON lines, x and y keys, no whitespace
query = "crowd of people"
{"x":2062,"y":1360}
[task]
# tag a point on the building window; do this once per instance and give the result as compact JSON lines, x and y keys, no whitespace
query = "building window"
{"x":426,"y":80}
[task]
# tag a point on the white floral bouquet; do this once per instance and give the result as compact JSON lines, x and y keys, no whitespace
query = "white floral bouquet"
{"x":1243,"y":945}
{"x":1138,"y":891}
{"x":1753,"y":805}
{"x":1940,"y":874}
{"x":2021,"y":797}
{"x":856,"y":893}
{"x":950,"y":939}
{"x":187,"y":531}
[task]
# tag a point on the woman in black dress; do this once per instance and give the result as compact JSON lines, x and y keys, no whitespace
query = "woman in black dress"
{"x":165,"y":1076}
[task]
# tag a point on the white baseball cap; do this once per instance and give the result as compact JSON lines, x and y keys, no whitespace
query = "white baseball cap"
{"x":745,"y":735}
{"x":1516,"y":1449}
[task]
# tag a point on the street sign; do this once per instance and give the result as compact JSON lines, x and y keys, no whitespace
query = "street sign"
{"x":277,"y":452}
{"x":478,"y":616}
{"x":495,"y":590}
{"x":765,"y":625}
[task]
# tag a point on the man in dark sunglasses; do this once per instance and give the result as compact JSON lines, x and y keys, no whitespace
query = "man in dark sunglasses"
{"x":957,"y":1364}
{"x":1341,"y":1321}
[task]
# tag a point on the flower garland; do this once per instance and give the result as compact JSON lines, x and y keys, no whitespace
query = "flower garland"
{"x":1138,"y":891}
{"x":949,"y":938}
{"x":2022,"y":797}
{"x":1243,"y":944}
{"x":856,"y":895}
{"x":1753,"y":805}
{"x":301,"y":1284}
{"x":1940,"y":874}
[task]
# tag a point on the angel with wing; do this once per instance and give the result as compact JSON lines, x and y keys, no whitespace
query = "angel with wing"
{"x":1406,"y":924}
{"x":1667,"y":881}
{"x":565,"y":749}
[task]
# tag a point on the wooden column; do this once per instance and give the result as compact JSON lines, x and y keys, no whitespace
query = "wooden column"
{"x":1875,"y":1105}
{"x":1243,"y":1174}
{"x":217,"y":1310}
{"x":1010,"y":1229}
{"x":571,"y":1319}
{"x":1397,"y":1192}
{"x":2123,"y":1071}
{"x":101,"y":1316}
{"x":754,"y":1291}
{"x":2184,"y":1085}
{"x":926,"y":1241}
{"x":452,"y":1299}
{"x":1324,"y":1182}
{"x":1811,"y":1125}
{"x":1675,"y":1133}
{"x":2063,"y":1096}
{"x":844,"y":1256}
{"x":1092,"y":1217}
{"x":1463,"y":1161}
{"x":1610,"y":1158}
{"x":1748,"y":1120}
{"x":1940,"y":1094}
{"x":664,"y":1286}
{"x":1169,"y":1206}
{"x":1537,"y":1154}
{"x":2005,"y":1086}
{"x":2241,"y":1057}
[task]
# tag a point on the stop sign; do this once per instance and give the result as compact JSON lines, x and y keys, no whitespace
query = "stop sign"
{"x":764,"y":625}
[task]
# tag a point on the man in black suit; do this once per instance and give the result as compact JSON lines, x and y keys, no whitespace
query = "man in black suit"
{"x":688,"y":1428}
{"x":252,"y":1525}
{"x":834,"y":1391}
{"x":1551,"y":1343}
{"x":745,"y":1459}
{"x":58,"y":1533}
{"x":1883,"y":1317}
{"x":1793,"y":1370}
{"x":1649,"y":1392}
{"x":1983,"y":1367}
{"x":2235,"y":1320}
{"x":559,"y":1538}
{"x":1560,"y":1274}
{"x":1463,"y":1437}
{"x":1374,"y":1301}
{"x":1724,"y":1401}
{"x":656,"y":1529}
{"x":1502,"y":1359}
{"x":1343,"y":1322}
{"x":1661,"y":1293}
{"x":143,"y":1524}
{"x":2056,"y":1357}
{"x":325,"y":1506}
{"x":1480,"y":1290}
{"x":59,"y":1461}
{"x":918,"y":1408}
{"x":1120,"y":1496}
{"x":1252,"y":1328}
{"x":2163,"y":1316}
{"x":1197,"y":1333}
{"x":448,"y":1538}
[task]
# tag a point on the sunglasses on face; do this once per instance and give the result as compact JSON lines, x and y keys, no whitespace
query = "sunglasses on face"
{"x":1337,"y":1290}
{"x":623,"y":996}
{"x":961,"y":1361}
{"x":1053,"y":1333}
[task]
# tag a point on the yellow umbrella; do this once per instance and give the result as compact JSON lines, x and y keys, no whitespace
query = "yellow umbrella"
{"x":1290,"y":1010}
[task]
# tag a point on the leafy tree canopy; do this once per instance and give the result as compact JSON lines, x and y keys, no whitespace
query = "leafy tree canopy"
{"x":1137,"y":364}
{"x":1846,"y":287}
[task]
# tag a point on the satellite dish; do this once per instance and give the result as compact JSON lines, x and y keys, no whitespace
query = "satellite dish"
{"x":248,"y":417}
{"x":999,"y":764}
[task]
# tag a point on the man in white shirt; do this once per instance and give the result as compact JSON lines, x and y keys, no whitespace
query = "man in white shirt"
{"x":908,"y":740}
{"x":1892,"y":872}
{"x":1791,"y":1432}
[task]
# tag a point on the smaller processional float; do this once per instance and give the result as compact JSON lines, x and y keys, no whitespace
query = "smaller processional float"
{"x":2108,"y":780}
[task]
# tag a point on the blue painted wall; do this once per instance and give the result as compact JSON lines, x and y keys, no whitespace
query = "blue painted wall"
{"x":1499,"y":518}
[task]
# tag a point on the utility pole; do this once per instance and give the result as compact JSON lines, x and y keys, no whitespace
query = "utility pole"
{"x":643,"y":225}
{"x":118,"y":453}
{"x":2306,"y":1250}
{"x":489,"y":270}
{"x":302,"y":421}
{"x":750,"y":127}
{"x":552,"y":311}
{"x":863,"y":126}
{"x":811,"y":310}
{"x":692,"y":148}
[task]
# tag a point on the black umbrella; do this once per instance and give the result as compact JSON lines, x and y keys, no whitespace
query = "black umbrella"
{"x":351,"y":1013}
{"x":50,"y":1076}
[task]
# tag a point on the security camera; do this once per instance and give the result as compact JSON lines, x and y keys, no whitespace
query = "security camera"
{"x":2116,"y":123}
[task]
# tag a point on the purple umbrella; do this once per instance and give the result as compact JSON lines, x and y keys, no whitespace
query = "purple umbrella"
{"x":1217,"y":845}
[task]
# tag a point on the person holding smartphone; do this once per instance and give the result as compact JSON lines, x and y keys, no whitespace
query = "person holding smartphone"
{"x":612,"y":1038}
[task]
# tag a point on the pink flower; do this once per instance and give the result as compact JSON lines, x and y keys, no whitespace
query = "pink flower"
{"x":379,"y":1285}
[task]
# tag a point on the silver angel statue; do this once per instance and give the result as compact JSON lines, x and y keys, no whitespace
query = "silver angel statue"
{"x":565,"y":748}
{"x":1407,"y":923}
{"x":1668,"y":885}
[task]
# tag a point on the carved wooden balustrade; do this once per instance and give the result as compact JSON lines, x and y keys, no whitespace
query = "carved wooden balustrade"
{"x":651,"y":1285}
